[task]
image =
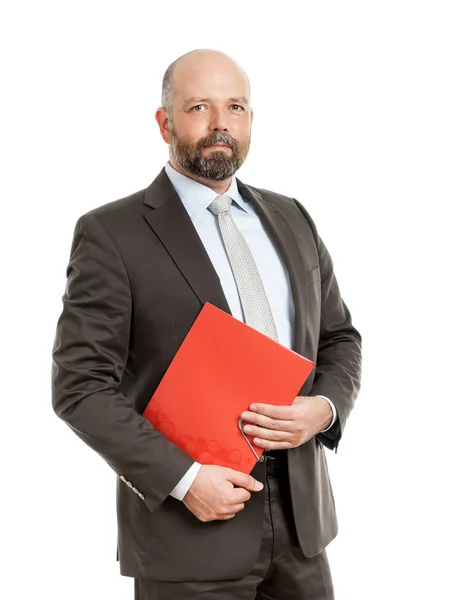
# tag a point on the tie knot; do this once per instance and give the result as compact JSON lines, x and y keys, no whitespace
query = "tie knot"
{"x":220,"y":204}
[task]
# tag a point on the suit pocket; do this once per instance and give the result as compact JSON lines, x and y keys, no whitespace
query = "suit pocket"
{"x":313,"y":276}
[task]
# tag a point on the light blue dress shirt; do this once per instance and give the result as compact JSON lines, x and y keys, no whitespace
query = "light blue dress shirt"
{"x":196,"y":198}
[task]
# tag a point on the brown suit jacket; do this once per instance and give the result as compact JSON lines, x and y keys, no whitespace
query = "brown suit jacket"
{"x":137,"y":278}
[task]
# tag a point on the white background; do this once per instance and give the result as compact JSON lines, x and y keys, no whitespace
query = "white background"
{"x":351,"y":105}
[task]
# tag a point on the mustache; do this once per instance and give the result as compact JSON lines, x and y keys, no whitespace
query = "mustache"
{"x":215,"y":137}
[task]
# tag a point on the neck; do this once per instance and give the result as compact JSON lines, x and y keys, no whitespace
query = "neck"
{"x":220,"y":187}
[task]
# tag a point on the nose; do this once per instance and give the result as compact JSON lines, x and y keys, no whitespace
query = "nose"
{"x":219,"y":120}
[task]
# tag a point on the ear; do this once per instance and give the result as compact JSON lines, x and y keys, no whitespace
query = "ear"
{"x":162,"y":118}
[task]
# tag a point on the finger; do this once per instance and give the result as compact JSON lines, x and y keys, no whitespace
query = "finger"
{"x":269,"y":423}
{"x":269,"y":445}
{"x":268,"y":434}
{"x":230,"y":512}
{"x":277,"y":413}
{"x":241,"y":495}
{"x":243,"y":480}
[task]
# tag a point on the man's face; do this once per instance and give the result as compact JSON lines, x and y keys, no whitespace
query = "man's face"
{"x":211,"y":120}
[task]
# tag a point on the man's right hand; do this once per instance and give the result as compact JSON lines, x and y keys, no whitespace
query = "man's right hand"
{"x":213,"y":495}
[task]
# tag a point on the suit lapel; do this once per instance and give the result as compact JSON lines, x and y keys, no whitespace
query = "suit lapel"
{"x":168,"y":218}
{"x":279,"y":230}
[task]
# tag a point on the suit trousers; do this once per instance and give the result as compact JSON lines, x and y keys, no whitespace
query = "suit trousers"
{"x":281,"y":571}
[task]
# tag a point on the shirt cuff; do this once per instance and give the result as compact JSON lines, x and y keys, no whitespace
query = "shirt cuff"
{"x":333,"y":408}
{"x":182,"y":487}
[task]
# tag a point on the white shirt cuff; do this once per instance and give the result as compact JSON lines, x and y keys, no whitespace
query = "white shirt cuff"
{"x":180,"y":490}
{"x":333,"y":408}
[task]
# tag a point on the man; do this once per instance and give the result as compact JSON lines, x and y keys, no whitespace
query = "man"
{"x":140,"y":270}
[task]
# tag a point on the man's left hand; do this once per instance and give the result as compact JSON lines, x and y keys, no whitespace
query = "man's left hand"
{"x":282,"y":427}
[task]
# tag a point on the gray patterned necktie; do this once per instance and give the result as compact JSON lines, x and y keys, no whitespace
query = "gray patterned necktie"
{"x":254,"y":302}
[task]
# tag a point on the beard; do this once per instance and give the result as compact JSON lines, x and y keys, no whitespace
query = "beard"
{"x":217,"y":166}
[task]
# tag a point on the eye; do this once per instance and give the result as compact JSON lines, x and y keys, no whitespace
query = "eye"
{"x":198,"y":107}
{"x":237,"y":107}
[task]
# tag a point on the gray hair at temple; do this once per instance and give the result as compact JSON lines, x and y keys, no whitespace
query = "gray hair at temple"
{"x":167,"y":84}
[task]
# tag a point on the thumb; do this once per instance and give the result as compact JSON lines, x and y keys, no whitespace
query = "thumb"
{"x":245,"y":481}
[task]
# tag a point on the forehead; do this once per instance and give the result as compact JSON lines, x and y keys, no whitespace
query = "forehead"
{"x":214,"y":77}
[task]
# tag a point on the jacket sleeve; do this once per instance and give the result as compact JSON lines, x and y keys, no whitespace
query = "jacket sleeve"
{"x":90,"y":353}
{"x":338,"y":364}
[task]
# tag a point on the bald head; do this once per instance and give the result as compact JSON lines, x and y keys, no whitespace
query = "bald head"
{"x":195,"y":66}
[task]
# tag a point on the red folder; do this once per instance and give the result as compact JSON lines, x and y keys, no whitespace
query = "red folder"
{"x":223,"y":366}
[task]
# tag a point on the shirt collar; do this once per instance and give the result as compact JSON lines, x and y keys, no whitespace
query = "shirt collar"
{"x":196,"y":197}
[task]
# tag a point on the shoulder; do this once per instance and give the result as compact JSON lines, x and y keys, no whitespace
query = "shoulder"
{"x":288,"y":205}
{"x":120,"y":207}
{"x":112,"y":217}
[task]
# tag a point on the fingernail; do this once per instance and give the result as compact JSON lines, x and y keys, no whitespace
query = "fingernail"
{"x":259,"y":486}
